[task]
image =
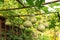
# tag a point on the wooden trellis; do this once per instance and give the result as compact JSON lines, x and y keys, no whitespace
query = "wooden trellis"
{"x":6,"y":29}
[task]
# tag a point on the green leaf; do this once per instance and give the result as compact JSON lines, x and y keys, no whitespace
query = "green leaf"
{"x":1,"y":1}
{"x":57,"y":9}
{"x":45,"y":9}
{"x":39,"y":3}
{"x":30,"y":2}
{"x":54,"y":4}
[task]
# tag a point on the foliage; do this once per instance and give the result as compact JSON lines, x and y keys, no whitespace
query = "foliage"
{"x":44,"y":37}
{"x":18,"y":17}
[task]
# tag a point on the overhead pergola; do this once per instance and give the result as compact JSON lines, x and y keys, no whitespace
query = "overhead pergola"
{"x":14,"y":28}
{"x":46,"y":2}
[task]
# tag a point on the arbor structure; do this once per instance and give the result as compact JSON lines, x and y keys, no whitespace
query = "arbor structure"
{"x":31,"y":16}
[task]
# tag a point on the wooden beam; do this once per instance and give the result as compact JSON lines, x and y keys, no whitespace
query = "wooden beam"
{"x":28,"y":15}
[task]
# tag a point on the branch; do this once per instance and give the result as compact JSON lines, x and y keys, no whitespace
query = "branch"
{"x":50,"y":2}
{"x":20,"y":3}
{"x":29,"y":14}
{"x":22,"y":15}
{"x":15,"y":8}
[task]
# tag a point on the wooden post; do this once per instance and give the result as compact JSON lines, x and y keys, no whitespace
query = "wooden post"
{"x":2,"y":24}
{"x":0,"y":28}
